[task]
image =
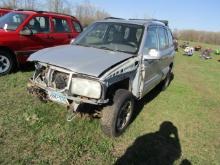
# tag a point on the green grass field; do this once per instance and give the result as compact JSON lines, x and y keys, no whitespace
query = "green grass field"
{"x":32,"y":132}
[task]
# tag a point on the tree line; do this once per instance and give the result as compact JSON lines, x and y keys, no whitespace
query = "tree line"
{"x":198,"y":36}
{"x":86,"y":12}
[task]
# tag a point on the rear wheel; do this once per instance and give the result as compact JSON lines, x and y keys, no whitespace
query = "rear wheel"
{"x":166,"y":82}
{"x":6,"y":63}
{"x":116,"y":118}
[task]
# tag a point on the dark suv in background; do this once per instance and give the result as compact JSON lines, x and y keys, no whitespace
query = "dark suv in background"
{"x":25,"y":32}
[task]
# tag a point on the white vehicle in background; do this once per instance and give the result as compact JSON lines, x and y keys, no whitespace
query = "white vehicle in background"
{"x":189,"y":51}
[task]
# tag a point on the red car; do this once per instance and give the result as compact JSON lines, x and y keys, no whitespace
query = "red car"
{"x":4,"y":11}
{"x":25,"y":32}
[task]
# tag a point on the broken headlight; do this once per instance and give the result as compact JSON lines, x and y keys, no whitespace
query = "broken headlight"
{"x":85,"y":87}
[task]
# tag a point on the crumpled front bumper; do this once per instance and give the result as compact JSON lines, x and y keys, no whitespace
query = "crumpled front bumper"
{"x":42,"y":92}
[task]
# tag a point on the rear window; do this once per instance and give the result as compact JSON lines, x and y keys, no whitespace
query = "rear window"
{"x":170,"y":37}
{"x":77,"y":26}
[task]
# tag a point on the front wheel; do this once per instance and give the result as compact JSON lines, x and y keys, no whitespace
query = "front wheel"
{"x":6,"y":63}
{"x":116,"y":118}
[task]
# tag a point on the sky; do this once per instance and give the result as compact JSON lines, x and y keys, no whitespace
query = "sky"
{"x":182,"y":14}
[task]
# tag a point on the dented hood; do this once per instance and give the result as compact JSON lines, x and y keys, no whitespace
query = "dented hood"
{"x":85,"y":60}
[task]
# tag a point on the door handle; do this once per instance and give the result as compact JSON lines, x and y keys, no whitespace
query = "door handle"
{"x":50,"y":37}
{"x":69,"y":36}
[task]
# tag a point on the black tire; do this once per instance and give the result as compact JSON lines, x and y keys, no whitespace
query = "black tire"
{"x":6,"y":63}
{"x":116,"y":118}
{"x":166,"y":82}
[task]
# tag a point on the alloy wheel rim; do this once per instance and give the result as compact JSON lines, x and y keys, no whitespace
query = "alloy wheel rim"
{"x":167,"y":80}
{"x":124,"y":116}
{"x":4,"y":64}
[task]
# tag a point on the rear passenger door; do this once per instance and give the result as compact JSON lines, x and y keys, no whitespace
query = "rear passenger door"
{"x":62,"y":32}
{"x":164,"y":49}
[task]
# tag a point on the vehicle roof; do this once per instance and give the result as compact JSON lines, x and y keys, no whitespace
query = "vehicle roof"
{"x":32,"y":12}
{"x":143,"y":22}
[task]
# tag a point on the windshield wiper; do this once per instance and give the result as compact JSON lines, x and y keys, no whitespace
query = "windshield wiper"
{"x":82,"y":45}
{"x":105,"y":48}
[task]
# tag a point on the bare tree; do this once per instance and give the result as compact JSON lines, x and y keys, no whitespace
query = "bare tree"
{"x":199,"y":36}
{"x":9,"y":3}
{"x":15,"y":4}
{"x":56,"y":5}
{"x":59,"y":6}
{"x":29,"y":4}
{"x":87,"y":13}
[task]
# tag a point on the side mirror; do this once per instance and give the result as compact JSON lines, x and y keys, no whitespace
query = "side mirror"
{"x":153,"y":54}
{"x":26,"y":32}
{"x":72,"y":41}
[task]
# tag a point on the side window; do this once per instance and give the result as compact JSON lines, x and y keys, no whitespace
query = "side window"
{"x":39,"y":24}
{"x":151,"y":41}
{"x":61,"y":25}
{"x":170,"y":37}
{"x":77,"y":26}
{"x":163,"y":39}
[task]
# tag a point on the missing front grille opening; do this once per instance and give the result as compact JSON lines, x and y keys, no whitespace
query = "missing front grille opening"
{"x":59,"y":80}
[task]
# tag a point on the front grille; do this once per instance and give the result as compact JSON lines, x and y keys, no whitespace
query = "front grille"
{"x":50,"y":77}
{"x":59,"y":80}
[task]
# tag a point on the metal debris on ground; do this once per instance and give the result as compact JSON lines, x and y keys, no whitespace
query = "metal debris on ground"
{"x":197,"y":48}
{"x":206,"y":54}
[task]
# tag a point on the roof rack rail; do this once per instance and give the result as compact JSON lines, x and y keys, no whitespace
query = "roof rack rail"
{"x":113,"y":18}
{"x":5,"y":8}
{"x":55,"y":13}
{"x":165,"y":22}
{"x":41,"y":11}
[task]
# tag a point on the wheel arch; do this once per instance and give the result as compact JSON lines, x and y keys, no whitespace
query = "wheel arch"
{"x":171,"y":66}
{"x":123,"y":84}
{"x":4,"y":48}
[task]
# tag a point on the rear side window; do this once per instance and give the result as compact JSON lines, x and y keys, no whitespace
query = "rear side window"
{"x":163,"y":39}
{"x":77,"y":26}
{"x":61,"y":25}
{"x":170,"y":38}
{"x":151,"y":41}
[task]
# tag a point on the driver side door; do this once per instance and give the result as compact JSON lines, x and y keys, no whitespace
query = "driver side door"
{"x":151,"y":74}
{"x":40,"y":38}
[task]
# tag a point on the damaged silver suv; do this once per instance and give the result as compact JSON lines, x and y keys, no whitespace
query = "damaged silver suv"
{"x":111,"y":64}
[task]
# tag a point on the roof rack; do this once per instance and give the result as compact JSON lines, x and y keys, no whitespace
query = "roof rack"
{"x":41,"y":11}
{"x":5,"y":8}
{"x":113,"y":18}
{"x":165,"y":22}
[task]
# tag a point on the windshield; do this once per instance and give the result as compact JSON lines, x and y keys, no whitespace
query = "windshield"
{"x":112,"y":36}
{"x":12,"y":21}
